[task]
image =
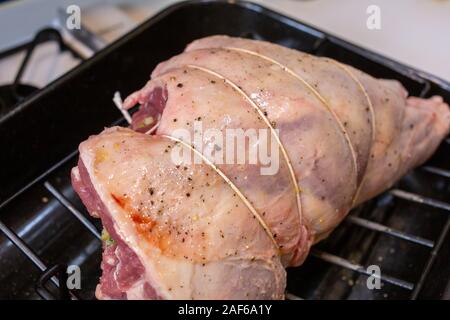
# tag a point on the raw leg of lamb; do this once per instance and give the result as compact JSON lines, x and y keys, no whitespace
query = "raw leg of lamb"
{"x":218,"y":230}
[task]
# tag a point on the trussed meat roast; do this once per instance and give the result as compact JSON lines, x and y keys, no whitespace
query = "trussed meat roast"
{"x":209,"y":230}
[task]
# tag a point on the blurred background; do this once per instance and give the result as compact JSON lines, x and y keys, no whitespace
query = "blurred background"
{"x":414,"y":32}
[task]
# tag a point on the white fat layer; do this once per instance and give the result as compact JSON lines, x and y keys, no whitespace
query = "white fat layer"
{"x":136,"y":292}
{"x":125,"y":229}
{"x":76,"y":173}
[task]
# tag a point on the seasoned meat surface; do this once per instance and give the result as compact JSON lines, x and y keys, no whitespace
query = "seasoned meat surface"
{"x":204,"y":227}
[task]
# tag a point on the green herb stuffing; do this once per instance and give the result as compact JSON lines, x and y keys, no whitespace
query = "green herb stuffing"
{"x":107,"y":238}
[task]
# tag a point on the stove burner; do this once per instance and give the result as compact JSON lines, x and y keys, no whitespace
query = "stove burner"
{"x":12,"y":94}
